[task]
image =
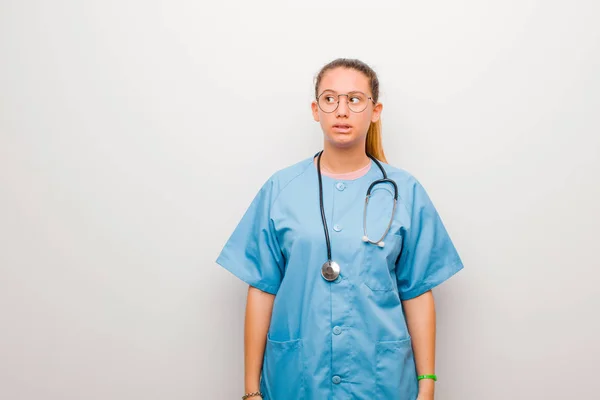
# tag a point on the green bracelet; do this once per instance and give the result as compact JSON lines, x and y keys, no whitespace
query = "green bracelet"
{"x":433,"y":376}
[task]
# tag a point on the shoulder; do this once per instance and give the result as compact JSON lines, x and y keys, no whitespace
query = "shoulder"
{"x":291,"y":172}
{"x":282,"y":178}
{"x":410,"y":188}
{"x":401,"y":176}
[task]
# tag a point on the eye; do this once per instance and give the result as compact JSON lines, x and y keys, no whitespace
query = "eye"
{"x":330,"y":99}
{"x":356,"y":97}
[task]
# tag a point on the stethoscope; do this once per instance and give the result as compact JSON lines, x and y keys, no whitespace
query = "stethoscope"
{"x":331,"y":269}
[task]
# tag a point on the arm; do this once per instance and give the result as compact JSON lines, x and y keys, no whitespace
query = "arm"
{"x":259,"y":306}
{"x":420,"y":318}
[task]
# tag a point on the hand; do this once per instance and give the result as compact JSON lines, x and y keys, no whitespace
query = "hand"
{"x":426,"y":389}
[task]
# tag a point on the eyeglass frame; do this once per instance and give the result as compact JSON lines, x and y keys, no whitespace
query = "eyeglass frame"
{"x":338,"y":101}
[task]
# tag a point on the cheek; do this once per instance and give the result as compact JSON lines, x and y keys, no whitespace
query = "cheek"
{"x":365,"y":122}
{"x":326,"y":119}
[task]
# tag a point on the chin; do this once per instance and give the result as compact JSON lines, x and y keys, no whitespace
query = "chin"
{"x":343,"y":141}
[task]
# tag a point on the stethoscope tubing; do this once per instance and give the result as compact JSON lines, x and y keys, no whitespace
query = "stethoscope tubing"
{"x":385,"y":179}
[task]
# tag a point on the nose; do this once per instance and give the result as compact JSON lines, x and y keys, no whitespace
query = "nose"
{"x":342,"y":109}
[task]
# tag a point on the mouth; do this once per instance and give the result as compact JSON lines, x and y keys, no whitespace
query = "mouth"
{"x":341,"y":128}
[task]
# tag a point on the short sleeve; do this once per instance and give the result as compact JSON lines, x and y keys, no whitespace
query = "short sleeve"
{"x":252,"y":252}
{"x":428,"y":256}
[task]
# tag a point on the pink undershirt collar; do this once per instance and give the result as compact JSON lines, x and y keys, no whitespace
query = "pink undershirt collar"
{"x":347,"y":175}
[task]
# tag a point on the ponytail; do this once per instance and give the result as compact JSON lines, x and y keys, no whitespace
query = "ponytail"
{"x":373,"y":143}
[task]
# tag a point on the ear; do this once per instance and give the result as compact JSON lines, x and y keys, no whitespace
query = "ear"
{"x":315,"y":110}
{"x":376,"y":112}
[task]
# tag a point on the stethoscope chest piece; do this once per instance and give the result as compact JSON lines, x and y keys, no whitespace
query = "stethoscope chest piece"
{"x":330,"y":270}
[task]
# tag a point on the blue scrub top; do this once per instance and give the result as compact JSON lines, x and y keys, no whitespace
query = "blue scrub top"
{"x":345,"y":339}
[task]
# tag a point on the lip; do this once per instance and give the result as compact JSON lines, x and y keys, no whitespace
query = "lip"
{"x":342,"y":128}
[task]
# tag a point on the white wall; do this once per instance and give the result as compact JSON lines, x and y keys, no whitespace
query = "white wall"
{"x":134,"y":134}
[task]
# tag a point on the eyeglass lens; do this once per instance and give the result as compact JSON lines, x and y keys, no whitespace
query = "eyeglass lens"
{"x":357,"y":101}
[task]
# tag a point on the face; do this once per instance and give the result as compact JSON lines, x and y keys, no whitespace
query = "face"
{"x":344,"y":127}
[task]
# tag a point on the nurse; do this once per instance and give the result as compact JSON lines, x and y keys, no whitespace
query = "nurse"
{"x":364,"y":327}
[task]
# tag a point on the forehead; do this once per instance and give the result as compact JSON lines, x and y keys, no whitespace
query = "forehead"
{"x":344,"y":80}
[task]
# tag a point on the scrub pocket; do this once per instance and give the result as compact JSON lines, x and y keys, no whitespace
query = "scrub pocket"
{"x":395,"y":371}
{"x":379,"y":262}
{"x":283,"y":370}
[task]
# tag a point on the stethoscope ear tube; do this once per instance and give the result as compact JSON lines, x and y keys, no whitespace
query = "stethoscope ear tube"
{"x":379,"y":242}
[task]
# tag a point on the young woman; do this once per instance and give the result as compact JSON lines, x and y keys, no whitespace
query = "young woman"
{"x":340,"y":252}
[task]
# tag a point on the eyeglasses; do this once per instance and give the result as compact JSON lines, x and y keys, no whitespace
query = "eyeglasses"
{"x":329,"y":101}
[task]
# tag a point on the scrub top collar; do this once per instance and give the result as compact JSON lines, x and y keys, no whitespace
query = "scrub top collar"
{"x":343,"y":177}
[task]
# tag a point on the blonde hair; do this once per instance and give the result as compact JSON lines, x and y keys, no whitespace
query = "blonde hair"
{"x":373,"y":143}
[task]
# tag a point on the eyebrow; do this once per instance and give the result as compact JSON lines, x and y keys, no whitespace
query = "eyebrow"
{"x":331,"y":90}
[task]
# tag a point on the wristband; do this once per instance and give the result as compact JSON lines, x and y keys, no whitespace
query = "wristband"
{"x":248,"y":395}
{"x":431,"y":376}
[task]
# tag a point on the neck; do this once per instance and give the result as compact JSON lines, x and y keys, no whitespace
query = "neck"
{"x":343,"y":160}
